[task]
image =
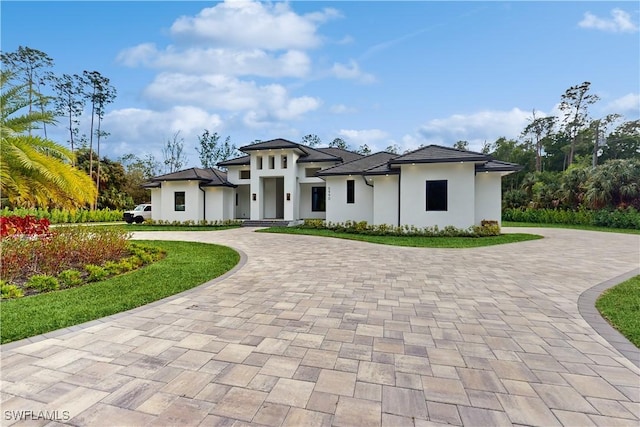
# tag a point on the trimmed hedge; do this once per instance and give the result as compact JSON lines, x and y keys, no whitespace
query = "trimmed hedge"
{"x":489,"y":228}
{"x":58,"y":216}
{"x":620,"y":218}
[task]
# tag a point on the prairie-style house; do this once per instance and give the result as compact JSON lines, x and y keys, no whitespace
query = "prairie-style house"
{"x":290,"y":182}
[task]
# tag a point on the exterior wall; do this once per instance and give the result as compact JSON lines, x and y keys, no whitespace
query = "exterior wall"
{"x":193,"y":201}
{"x":460,"y":189}
{"x":262,"y":185}
{"x":243,"y":208}
{"x":338,"y":210}
{"x":233,"y":174}
{"x":488,"y":196}
{"x":156,"y":203}
{"x":385,"y":200}
{"x":219,"y":203}
{"x":305,"y":211}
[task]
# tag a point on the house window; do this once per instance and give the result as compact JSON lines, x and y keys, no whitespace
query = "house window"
{"x":283,"y":161}
{"x":259,"y":162}
{"x":436,"y":195}
{"x":245,"y":174}
{"x":311,"y":172}
{"x":351,"y":191}
{"x":318,"y":199}
{"x":178,"y":199}
{"x":272,"y":162}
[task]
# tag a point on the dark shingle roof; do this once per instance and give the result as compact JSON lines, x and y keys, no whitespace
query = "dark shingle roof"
{"x":270,"y":145}
{"x":317,"y":155}
{"x":358,"y":166}
{"x":438,"y":154}
{"x":498,"y":166}
{"x":238,"y":161}
{"x":345,"y":155}
{"x":209,"y":177}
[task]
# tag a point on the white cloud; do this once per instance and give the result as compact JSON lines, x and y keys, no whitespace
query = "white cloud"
{"x":342,"y":109}
{"x":197,"y":60}
{"x":137,"y":131}
{"x":474,"y":128}
{"x":351,"y":71}
{"x":630,"y":103}
{"x":248,"y":24}
{"x":374,"y":138}
{"x":620,"y":22}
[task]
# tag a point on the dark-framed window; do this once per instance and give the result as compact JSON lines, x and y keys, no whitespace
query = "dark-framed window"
{"x":351,"y":191}
{"x":245,"y":174}
{"x":179,"y":201}
{"x":318,"y":199}
{"x":437,"y":195}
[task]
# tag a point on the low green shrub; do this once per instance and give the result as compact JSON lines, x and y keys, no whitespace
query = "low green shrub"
{"x":191,"y":223}
{"x":9,"y":291}
{"x":490,"y":228}
{"x":57,"y":216}
{"x":70,"y":278}
{"x":96,"y":273}
{"x":619,"y":218}
{"x":43,"y":283}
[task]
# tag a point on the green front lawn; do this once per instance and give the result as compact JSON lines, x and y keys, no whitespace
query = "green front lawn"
{"x":414,"y":241}
{"x":571,"y":226}
{"x":620,"y":305}
{"x":186,"y":265}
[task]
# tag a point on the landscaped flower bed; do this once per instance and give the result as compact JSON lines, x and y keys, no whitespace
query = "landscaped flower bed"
{"x":37,"y":259}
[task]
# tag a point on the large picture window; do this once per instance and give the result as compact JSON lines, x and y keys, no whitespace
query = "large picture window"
{"x":179,"y":200}
{"x":318,"y":199}
{"x":437,"y":195}
{"x":351,"y":191}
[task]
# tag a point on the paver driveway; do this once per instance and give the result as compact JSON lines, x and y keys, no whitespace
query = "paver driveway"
{"x":316,"y":331}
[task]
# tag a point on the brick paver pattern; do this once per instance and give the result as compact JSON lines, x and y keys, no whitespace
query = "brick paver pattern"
{"x":328,"y":332}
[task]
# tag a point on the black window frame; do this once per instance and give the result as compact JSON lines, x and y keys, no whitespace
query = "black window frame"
{"x":245,"y":174}
{"x":351,"y":191}
{"x":318,"y":199}
{"x":437,"y":195}
{"x":176,"y":205}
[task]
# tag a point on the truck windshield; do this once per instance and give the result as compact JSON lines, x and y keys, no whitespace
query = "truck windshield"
{"x":139,"y":208}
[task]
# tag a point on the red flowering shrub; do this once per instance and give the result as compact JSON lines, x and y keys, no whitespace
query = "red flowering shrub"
{"x":23,"y":226}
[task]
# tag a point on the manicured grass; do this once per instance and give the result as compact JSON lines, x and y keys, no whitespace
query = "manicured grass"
{"x":414,"y":241}
{"x":185,"y":266}
{"x":571,"y":226}
{"x":620,"y":305}
{"x":139,"y":227}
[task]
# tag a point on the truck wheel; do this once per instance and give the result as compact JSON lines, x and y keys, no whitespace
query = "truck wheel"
{"x":139,"y":220}
{"x":129,"y":220}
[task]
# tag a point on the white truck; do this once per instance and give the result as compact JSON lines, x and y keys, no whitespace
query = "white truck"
{"x":138,"y":214}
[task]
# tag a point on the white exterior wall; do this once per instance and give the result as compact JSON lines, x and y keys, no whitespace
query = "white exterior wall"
{"x":488,"y":197}
{"x":305,"y":203}
{"x":156,"y":203}
{"x":385,"y":200}
{"x":219,"y":203}
{"x":193,"y":201}
{"x":233,"y":175}
{"x":460,"y":189}
{"x":265,"y":190}
{"x":243,"y":208}
{"x":338,"y":210}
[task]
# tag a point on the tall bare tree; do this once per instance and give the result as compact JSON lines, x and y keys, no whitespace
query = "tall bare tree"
{"x":311,"y":140}
{"x":69,"y":102}
{"x":539,"y":128}
{"x":599,"y":128}
{"x":574,"y":104}
{"x":173,"y":153}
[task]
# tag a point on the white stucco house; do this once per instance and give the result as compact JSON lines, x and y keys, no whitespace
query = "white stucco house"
{"x":283,"y":180}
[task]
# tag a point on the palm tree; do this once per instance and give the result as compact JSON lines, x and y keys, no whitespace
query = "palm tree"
{"x":34,"y":171}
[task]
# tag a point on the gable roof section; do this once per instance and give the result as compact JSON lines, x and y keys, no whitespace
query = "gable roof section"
{"x":359,"y":166}
{"x":238,"y":161}
{"x":209,"y":177}
{"x":271,"y":145}
{"x":345,"y":155}
{"x":498,"y":166}
{"x":439,"y":154}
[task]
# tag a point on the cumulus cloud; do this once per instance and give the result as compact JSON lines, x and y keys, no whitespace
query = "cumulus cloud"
{"x":248,"y":24}
{"x":629,"y":103}
{"x":342,"y":109}
{"x":351,"y":71}
{"x":620,"y":22}
{"x":195,"y":60}
{"x":216,"y":91}
{"x":474,"y":128}
{"x":374,"y":138}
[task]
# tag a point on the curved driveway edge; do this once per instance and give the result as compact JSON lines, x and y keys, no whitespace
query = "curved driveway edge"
{"x":319,"y":331}
{"x":588,"y":310}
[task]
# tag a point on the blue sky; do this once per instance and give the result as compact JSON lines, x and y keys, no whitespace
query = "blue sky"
{"x":380,"y":73}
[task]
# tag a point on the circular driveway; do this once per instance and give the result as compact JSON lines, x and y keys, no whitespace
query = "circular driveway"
{"x":319,"y":331}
